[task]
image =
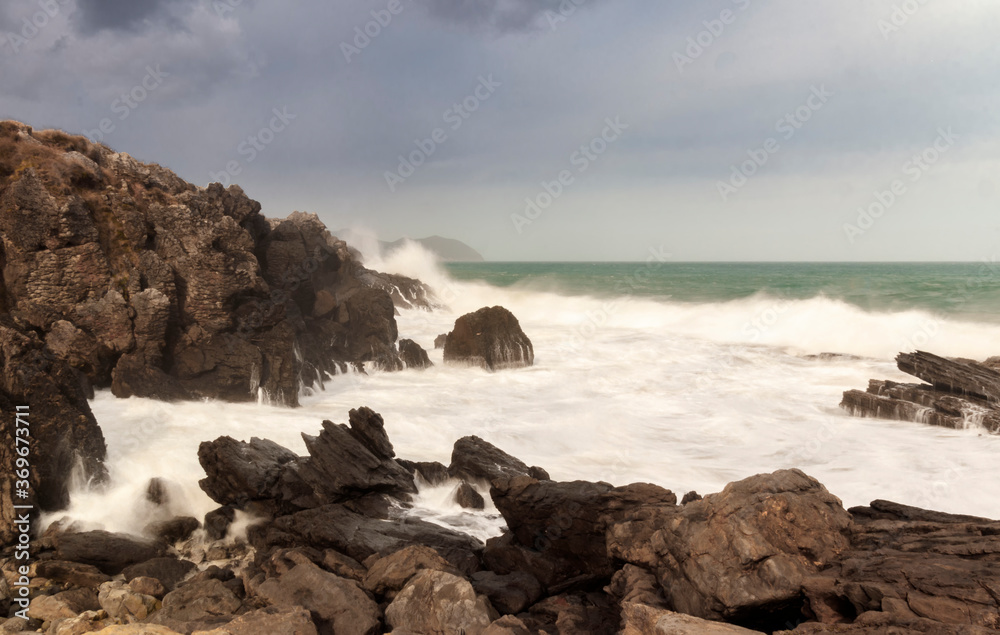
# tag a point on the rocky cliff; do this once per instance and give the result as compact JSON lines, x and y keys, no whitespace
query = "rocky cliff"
{"x":158,"y":288}
{"x":116,"y":273}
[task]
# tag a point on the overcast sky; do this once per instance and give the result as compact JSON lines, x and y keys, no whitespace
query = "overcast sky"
{"x":681,"y":93}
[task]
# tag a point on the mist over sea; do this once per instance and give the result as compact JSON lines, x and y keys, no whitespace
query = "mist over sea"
{"x":685,"y":375}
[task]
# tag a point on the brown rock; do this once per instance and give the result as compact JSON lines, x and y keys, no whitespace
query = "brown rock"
{"x":439,"y":602}
{"x":491,"y":338}
{"x":336,"y":603}
{"x":387,"y":576}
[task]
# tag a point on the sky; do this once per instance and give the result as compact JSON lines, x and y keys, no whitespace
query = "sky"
{"x":847,"y":130}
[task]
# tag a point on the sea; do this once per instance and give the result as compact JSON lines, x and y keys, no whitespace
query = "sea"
{"x":686,"y":375}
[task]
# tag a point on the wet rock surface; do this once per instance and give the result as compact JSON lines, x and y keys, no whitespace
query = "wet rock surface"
{"x":492,"y":338}
{"x":957,"y":393}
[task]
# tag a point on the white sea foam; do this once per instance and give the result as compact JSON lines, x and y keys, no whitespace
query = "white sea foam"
{"x":689,"y":396}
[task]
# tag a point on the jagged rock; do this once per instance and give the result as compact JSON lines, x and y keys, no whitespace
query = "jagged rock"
{"x":336,"y":527}
{"x":199,"y":606}
{"x":338,"y":604}
{"x":565,"y":525}
{"x":349,"y":462}
{"x":473,"y":458}
{"x":491,"y":338}
{"x":741,"y":555}
{"x":111,"y":553}
{"x":162,"y":289}
{"x":217,"y":522}
{"x":240,"y":472}
{"x":958,"y":393}
{"x":439,"y":602}
{"x":440,"y":340}
{"x":433,"y":473}
{"x":62,"y":427}
{"x":271,"y":620}
{"x":509,"y":594}
{"x":639,"y":619}
{"x":413,"y":355}
{"x":387,"y":576}
{"x":168,"y":571}
{"x":467,"y":496}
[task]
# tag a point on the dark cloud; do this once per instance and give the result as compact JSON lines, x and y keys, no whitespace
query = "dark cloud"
{"x":499,"y":15}
{"x":125,"y":15}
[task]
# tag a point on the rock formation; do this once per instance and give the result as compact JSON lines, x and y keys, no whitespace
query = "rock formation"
{"x":773,"y":553}
{"x":492,"y":338}
{"x":959,"y":393}
{"x":157,"y":288}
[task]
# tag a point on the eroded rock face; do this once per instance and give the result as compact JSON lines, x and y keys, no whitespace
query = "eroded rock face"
{"x":157,"y":288}
{"x":492,"y":338}
{"x":741,"y":555}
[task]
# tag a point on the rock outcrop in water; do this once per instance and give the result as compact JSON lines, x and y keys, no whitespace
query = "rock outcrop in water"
{"x":773,"y":553}
{"x":959,"y":393}
{"x":490,"y":337}
{"x":157,"y":288}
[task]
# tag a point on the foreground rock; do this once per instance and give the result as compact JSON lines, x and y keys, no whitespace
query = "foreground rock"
{"x":157,"y":288}
{"x":439,"y":602}
{"x":741,"y":555}
{"x":491,"y":338}
{"x":338,"y":605}
{"x":958,"y":393}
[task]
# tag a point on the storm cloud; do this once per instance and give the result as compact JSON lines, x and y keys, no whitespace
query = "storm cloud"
{"x":400,"y":136}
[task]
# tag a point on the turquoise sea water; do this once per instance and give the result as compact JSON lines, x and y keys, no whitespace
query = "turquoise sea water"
{"x":970,"y":291}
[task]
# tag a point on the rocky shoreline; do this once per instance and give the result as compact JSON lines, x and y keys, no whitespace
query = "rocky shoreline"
{"x":118,"y":274}
{"x":331,"y":549}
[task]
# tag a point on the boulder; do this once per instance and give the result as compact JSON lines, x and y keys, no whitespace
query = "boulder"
{"x":509,"y":594}
{"x":473,"y":458}
{"x":337,"y":604}
{"x":387,"y":576}
{"x":507,"y":625}
{"x":271,"y":620}
{"x":168,"y":571}
{"x":173,"y":530}
{"x":466,"y":496}
{"x":148,"y":586}
{"x":491,"y":338}
{"x":439,"y":602}
{"x":240,"y":472}
{"x":217,"y":522}
{"x":109,"y":552}
{"x":413,"y":355}
{"x":349,"y":462}
{"x":198,"y":606}
{"x":137,"y":629}
{"x":742,"y":555}
{"x":124,"y":605}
